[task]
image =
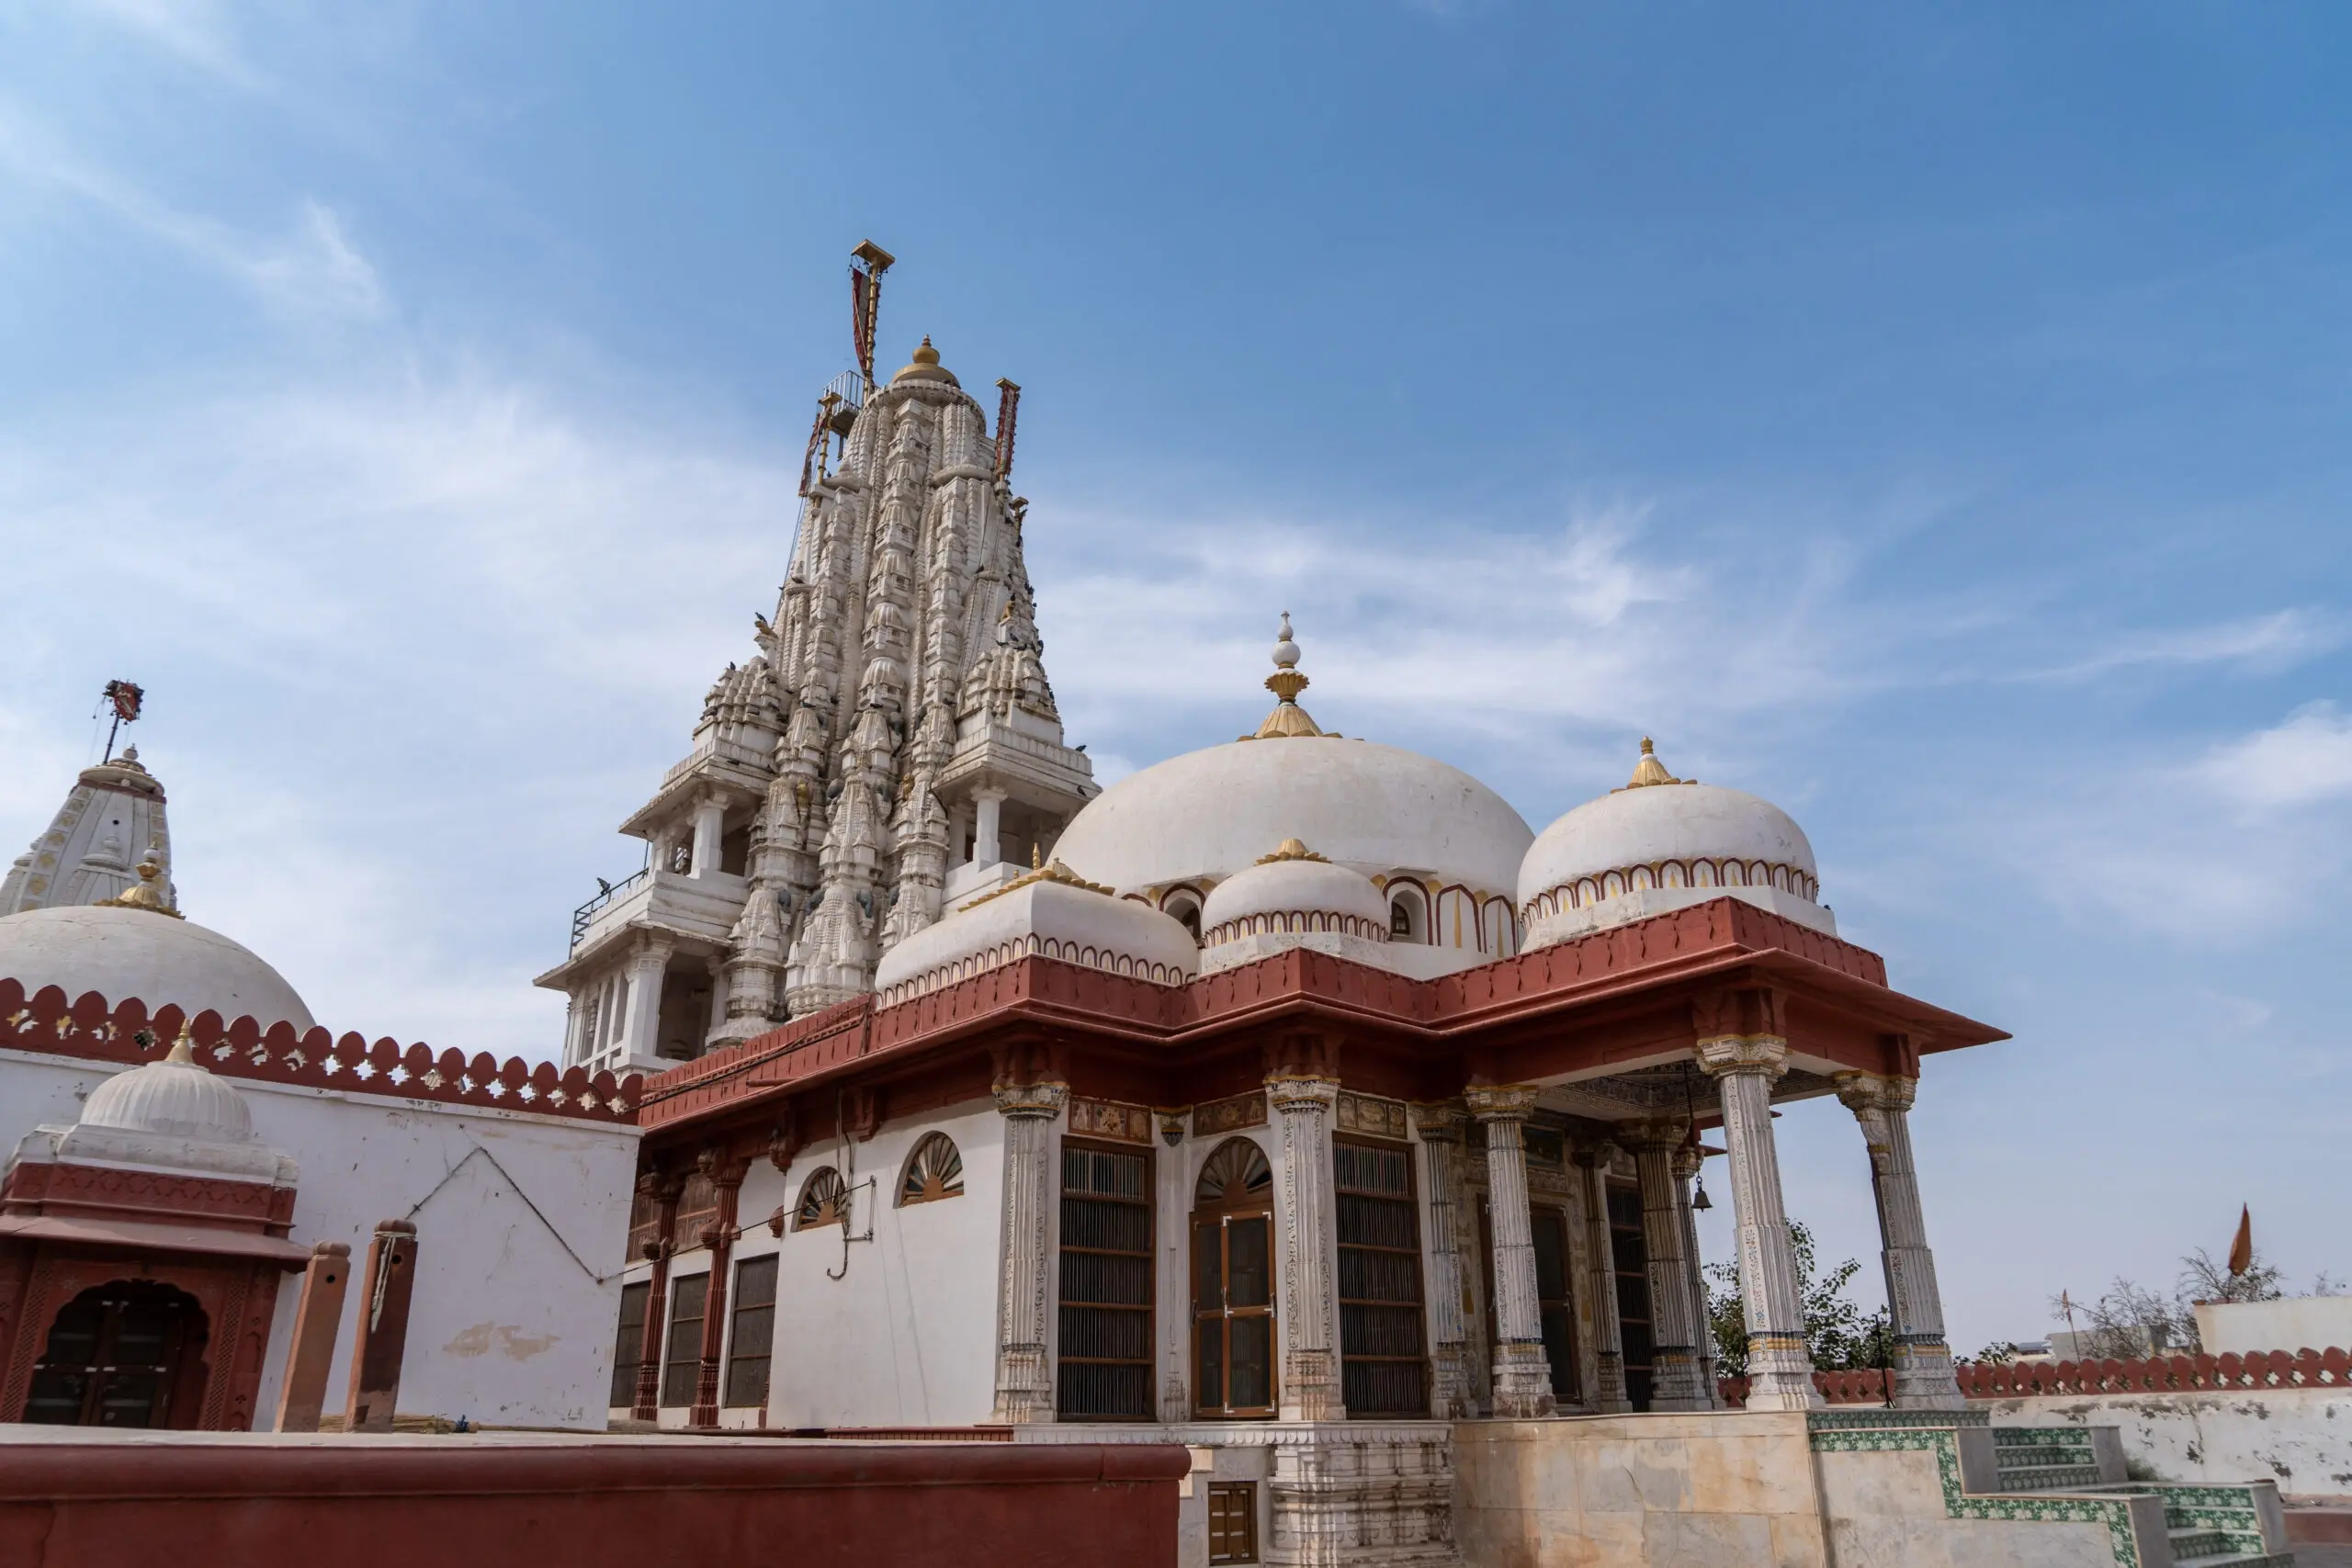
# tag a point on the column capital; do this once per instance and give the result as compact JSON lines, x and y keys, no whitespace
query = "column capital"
{"x":1289,"y":1091}
{"x":1043,"y":1100}
{"x":1744,"y":1056}
{"x":650,"y":951}
{"x":1446,"y":1122}
{"x":1597,"y":1156}
{"x":1659,"y":1133}
{"x":1861,"y":1092}
{"x":724,"y":1167}
{"x":1501,"y":1102}
{"x":1687,"y":1158}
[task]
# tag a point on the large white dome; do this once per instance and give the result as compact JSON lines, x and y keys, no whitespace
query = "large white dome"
{"x":123,"y":952}
{"x":1375,"y":809}
{"x":1660,"y":844}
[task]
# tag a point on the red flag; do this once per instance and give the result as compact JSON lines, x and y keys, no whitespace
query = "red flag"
{"x":2242,"y":1248}
{"x":859,"y":321}
{"x":126,"y":698}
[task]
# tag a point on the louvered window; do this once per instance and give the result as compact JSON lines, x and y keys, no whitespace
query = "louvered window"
{"x":1104,"y":1368}
{"x":1384,"y":1355}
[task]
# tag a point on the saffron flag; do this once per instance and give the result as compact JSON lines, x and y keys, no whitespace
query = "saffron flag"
{"x":2242,"y":1247}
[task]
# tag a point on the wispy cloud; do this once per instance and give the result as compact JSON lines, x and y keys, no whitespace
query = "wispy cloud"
{"x":2265,"y":644}
{"x":2304,"y":761}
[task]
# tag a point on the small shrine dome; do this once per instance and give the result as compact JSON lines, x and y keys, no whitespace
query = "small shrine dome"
{"x":176,"y":1098}
{"x":1049,"y":913}
{"x":1660,"y":844}
{"x":139,"y":946}
{"x":1374,"y":809}
{"x":1294,"y":889}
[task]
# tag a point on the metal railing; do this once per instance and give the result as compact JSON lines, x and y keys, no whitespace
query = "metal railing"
{"x":586,"y":914}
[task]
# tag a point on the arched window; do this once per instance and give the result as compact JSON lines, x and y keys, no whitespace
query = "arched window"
{"x":1405,"y":917}
{"x":128,"y":1353}
{"x":823,"y":1199}
{"x":1233,"y":1294}
{"x":933,"y":1172}
{"x":1186,"y":909}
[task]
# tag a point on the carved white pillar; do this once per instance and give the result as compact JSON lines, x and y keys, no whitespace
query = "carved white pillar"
{"x":1687,"y":1161}
{"x":1523,"y":1373}
{"x":1310,"y":1322}
{"x":710,"y":827}
{"x":990,"y":804}
{"x":1674,"y":1316}
{"x":647,"y":966}
{"x":1780,"y":1368}
{"x":1441,"y":1128}
{"x":1024,"y":1381}
{"x":1923,"y":1370}
{"x":1608,"y":1333}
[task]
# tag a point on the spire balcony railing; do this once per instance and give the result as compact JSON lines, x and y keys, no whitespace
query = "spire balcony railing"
{"x":585,"y":914}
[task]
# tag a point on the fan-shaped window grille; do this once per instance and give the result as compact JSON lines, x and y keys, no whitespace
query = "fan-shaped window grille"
{"x":823,"y":1199}
{"x":933,"y":1172}
{"x":1237,"y":1172}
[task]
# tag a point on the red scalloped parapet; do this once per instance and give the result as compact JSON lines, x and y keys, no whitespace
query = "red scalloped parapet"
{"x":1865,"y":1385}
{"x":126,"y":1032}
{"x":2270,"y":1370}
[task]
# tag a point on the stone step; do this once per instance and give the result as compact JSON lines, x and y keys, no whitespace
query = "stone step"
{"x":2239,"y":1560}
{"x":2199,"y":1540}
{"x":2048,"y":1477}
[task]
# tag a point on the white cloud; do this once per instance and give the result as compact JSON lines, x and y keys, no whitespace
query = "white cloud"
{"x":2262,"y":643}
{"x":2303,"y":761}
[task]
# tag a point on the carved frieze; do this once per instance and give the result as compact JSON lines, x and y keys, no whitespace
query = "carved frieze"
{"x":1372,"y":1117}
{"x":1110,"y":1119}
{"x":1230,"y":1115}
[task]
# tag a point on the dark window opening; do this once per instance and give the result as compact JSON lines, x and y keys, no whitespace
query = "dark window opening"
{"x":1383,"y":1357}
{"x":127,"y":1353}
{"x":1233,"y":1521}
{"x":682,"y":1364}
{"x":1103,"y":1367}
{"x":1233,"y":1283}
{"x":750,"y":1336}
{"x":629,"y":1344}
{"x":1629,"y":1256}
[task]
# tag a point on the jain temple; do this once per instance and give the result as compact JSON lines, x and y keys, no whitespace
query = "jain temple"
{"x":1286,"y":1154}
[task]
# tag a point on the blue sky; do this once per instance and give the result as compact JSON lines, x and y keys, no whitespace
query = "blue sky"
{"x":1929,"y":417}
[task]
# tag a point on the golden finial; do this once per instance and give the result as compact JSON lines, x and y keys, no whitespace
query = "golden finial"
{"x":1650,"y":771}
{"x":1291,"y":848}
{"x":926,"y":355}
{"x":1288,"y":719}
{"x":184,"y":1048}
{"x":149,"y":893}
{"x":1036,"y":856}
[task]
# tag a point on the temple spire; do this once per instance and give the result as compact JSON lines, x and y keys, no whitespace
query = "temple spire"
{"x":1288,"y":719}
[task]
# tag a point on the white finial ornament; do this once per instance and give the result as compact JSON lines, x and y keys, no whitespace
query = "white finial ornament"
{"x":1285,"y":650}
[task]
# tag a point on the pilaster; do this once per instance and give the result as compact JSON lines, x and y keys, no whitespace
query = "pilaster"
{"x":1443,"y":1128}
{"x":1024,"y":1383}
{"x":726,"y":1175}
{"x":1687,"y":1159}
{"x":1608,"y":1395}
{"x":665,"y":1191}
{"x":1674,"y":1314}
{"x":1522,"y":1371}
{"x":1309,"y":1327}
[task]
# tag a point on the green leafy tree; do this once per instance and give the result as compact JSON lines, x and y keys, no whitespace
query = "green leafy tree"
{"x":1840,"y":1335}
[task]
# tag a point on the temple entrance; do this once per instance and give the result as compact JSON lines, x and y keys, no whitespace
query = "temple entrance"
{"x":1233,"y":1275}
{"x":1629,"y":1248}
{"x":127,"y":1353}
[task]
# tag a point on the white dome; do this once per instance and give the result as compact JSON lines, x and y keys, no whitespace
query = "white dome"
{"x":1662,"y":844}
{"x":1210,"y":814}
{"x":175,"y":1099}
{"x":125,"y":953}
{"x":1048,"y":913}
{"x":1292,"y":892}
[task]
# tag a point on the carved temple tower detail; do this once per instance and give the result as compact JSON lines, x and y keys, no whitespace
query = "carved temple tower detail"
{"x":890,"y":749}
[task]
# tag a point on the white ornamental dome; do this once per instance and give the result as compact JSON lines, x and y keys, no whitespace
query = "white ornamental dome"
{"x":1294,"y":889}
{"x":1662,"y":844}
{"x":1049,"y":913}
{"x":1375,"y":809}
{"x":124,"y":952}
{"x":175,"y":1098}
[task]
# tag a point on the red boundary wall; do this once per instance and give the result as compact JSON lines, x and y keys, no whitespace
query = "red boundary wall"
{"x":2155,"y":1374}
{"x":473,"y":1501}
{"x":126,"y":1032}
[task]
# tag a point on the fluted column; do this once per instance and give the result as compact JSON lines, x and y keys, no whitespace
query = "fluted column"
{"x":1674,"y":1316}
{"x":1310,"y":1322}
{"x":1780,"y":1368}
{"x":1024,"y":1383}
{"x":1441,"y":1128}
{"x":1687,"y":1158}
{"x":1523,"y":1373}
{"x":1923,"y":1370}
{"x":665,"y":1191}
{"x":1608,"y":1333}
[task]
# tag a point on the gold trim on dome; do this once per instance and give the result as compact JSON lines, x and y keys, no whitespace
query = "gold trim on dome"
{"x":1291,"y":848}
{"x":1649,"y":770}
{"x":1052,"y":871}
{"x":149,"y":893}
{"x":1288,"y":721}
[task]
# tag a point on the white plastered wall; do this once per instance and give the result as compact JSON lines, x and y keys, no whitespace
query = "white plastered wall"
{"x":521,"y":1221}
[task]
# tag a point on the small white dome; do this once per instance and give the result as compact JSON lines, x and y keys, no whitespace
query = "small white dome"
{"x":1662,"y":843}
{"x":174,"y":1098}
{"x":1051,"y":914}
{"x":1210,"y":814}
{"x":1293,"y":890}
{"x":125,"y":953}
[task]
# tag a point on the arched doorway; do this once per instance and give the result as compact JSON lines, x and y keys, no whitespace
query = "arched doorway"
{"x":127,"y":1353}
{"x":1233,"y":1283}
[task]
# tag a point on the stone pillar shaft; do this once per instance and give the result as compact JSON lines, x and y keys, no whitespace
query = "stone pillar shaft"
{"x":1302,"y":1109}
{"x":1441,"y":1128}
{"x":1686,"y":1163}
{"x":1923,"y":1368}
{"x":1780,"y":1368}
{"x":727,"y":1182}
{"x":309,"y":1354}
{"x":710,"y":825}
{"x":1674,"y":1315}
{"x":1522,"y":1371}
{"x":647,"y":1406}
{"x":1024,"y":1383}
{"x":985,"y":849}
{"x":383,"y":1328}
{"x":646,"y":969}
{"x":1608,"y":1333}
